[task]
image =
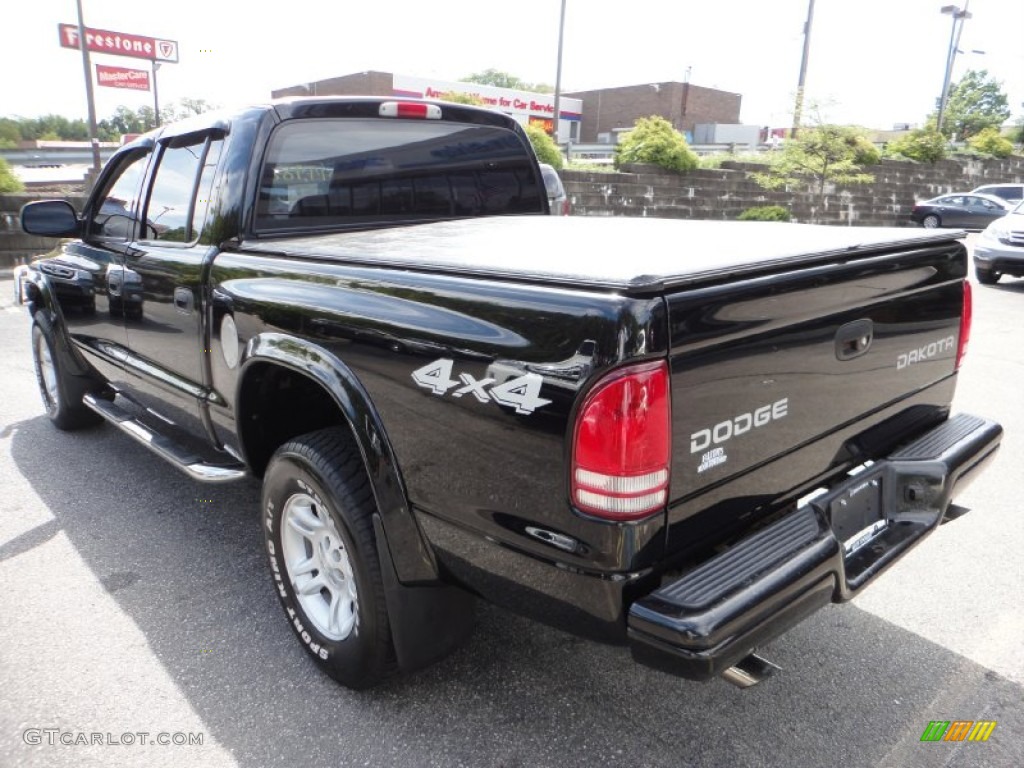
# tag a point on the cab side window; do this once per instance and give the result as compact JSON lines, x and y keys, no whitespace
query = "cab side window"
{"x":180,"y":192}
{"x":114,"y":218}
{"x":169,"y":210}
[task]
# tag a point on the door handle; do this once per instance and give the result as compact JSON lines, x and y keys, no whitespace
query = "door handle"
{"x":184,"y":300}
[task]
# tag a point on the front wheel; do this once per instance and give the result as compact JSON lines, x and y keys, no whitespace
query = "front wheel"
{"x":930,"y":222}
{"x":318,"y":527}
{"x":61,"y":391}
{"x":987,"y":276}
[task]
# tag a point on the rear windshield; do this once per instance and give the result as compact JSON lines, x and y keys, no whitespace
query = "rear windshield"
{"x":354,"y":172}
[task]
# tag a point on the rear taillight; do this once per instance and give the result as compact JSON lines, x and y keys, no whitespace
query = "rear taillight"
{"x":965,"y":324}
{"x":565,"y":207}
{"x":621,"y":444}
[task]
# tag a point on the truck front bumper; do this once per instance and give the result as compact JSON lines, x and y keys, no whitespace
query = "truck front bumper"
{"x":826,"y":550}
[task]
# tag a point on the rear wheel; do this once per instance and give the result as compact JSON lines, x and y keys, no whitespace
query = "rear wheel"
{"x":318,"y":527}
{"x":61,"y":391}
{"x":987,"y":276}
{"x":931,"y":221}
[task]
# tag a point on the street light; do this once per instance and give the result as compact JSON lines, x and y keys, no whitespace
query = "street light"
{"x":959,"y":16}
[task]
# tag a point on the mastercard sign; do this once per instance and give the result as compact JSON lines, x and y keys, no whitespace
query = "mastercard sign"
{"x":119,"y":77}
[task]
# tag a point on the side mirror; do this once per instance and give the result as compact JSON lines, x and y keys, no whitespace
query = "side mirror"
{"x":50,"y":218}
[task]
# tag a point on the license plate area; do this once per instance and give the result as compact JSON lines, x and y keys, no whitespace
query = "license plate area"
{"x":855,"y":511}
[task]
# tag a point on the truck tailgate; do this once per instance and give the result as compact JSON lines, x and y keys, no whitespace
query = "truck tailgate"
{"x":762,"y":367}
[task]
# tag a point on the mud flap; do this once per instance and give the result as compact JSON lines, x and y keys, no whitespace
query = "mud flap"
{"x":427,"y":622}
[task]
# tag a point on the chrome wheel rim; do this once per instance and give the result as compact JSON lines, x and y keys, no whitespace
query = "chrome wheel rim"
{"x":318,"y":567}
{"x":47,"y":371}
{"x":930,"y":222}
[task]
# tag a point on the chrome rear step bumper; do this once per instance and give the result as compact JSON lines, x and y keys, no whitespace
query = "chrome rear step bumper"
{"x":709,"y":619}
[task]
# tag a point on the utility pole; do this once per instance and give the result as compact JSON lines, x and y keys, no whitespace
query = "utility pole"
{"x":87,"y":67}
{"x":558,"y":76}
{"x":799,"y":108}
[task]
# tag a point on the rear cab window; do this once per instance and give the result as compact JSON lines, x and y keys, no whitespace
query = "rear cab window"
{"x":356,"y":172}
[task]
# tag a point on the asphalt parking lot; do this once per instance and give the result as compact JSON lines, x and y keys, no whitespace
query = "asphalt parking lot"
{"x":138,"y":602}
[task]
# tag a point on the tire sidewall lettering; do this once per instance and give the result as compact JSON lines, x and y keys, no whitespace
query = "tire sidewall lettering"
{"x":319,"y":647}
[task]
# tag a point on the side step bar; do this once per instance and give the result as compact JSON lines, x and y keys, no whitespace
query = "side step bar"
{"x":163,"y":446}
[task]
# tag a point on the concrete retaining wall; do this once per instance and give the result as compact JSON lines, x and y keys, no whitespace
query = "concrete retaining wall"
{"x":15,"y":246}
{"x":701,"y":194}
{"x":727,"y":192}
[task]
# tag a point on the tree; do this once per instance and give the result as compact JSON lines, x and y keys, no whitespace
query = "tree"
{"x":8,"y":181}
{"x":125,"y":120}
{"x":501,"y":79}
{"x":455,"y":97}
{"x":183,"y":108}
{"x":10,"y":132}
{"x":975,"y":103}
{"x":989,"y":142}
{"x":653,"y":140}
{"x":925,"y":145}
{"x":544,"y":146}
{"x":827,"y":153}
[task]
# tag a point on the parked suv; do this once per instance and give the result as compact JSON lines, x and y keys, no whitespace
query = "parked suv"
{"x":1011,"y":193}
{"x":1000,"y":249}
{"x":558,"y":200}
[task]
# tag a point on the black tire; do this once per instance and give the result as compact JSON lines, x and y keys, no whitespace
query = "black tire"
{"x":61,"y":391}
{"x":987,"y":276}
{"x":322,"y":474}
{"x":931,"y":221}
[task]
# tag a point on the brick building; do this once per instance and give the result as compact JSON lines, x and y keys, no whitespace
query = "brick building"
{"x":608,"y":110}
{"x":525,"y":106}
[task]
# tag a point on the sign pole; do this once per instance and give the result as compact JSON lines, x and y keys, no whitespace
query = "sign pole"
{"x":156,"y":100}
{"x":87,"y":68}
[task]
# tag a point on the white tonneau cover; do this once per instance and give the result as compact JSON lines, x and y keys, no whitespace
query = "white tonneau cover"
{"x":635,"y":255}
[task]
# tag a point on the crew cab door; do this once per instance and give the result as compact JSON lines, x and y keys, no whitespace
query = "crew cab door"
{"x":162,"y":282}
{"x":80,"y":275}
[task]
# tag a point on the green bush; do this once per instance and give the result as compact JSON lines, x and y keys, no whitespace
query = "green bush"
{"x":8,"y":181}
{"x":545,"y":147}
{"x":865,"y":152}
{"x":988,"y":141}
{"x":925,"y":145}
{"x":714,"y":161}
{"x":653,"y":140}
{"x":766,"y":213}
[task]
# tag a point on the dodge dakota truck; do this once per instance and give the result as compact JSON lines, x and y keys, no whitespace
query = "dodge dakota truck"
{"x":682,"y":437}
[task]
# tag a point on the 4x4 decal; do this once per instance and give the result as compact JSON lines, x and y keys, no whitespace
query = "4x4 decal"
{"x":521,"y":393}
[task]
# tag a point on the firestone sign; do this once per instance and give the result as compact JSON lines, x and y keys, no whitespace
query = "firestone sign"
{"x":120,"y":43}
{"x":119,"y":77}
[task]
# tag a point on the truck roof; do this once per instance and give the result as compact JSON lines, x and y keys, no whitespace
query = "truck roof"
{"x":638,"y":256}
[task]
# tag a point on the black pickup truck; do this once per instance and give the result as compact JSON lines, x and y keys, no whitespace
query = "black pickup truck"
{"x":680,"y":436}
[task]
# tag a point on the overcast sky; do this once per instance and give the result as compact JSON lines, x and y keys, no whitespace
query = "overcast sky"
{"x":872,"y":62}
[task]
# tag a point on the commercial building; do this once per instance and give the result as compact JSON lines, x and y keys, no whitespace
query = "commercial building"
{"x":527,"y":107}
{"x":609,"y":111}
